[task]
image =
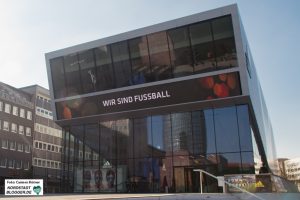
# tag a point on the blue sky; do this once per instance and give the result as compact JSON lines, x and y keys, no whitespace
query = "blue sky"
{"x":30,"y":28}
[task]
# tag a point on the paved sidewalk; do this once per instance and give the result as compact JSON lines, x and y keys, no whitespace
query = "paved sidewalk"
{"x":189,"y":196}
{"x":195,"y":196}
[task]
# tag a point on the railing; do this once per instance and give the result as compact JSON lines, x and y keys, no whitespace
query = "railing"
{"x":224,"y":182}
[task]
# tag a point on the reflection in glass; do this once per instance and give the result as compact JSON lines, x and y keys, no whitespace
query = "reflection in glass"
{"x":142,"y":137}
{"x":161,"y":135}
{"x":203,"y":132}
{"x":91,"y":143}
{"x":125,"y":176}
{"x":248,"y":162}
{"x":230,"y":163}
{"x":143,"y":175}
{"x":122,"y":67}
{"x":58,"y":79}
{"x":202,"y":46}
{"x":88,"y":72}
{"x":107,"y":140}
{"x":177,"y":52}
{"x":72,"y":74}
{"x":159,"y":56}
{"x":124,"y":135}
{"x":78,"y":176}
{"x":141,"y":72}
{"x":181,"y":55}
{"x":78,"y":133}
{"x":182,"y":133}
{"x":226,"y":127}
{"x":157,"y":153}
{"x":244,"y":128}
{"x":71,"y":148}
{"x":163,"y":180}
{"x":224,"y":42}
{"x":105,"y":77}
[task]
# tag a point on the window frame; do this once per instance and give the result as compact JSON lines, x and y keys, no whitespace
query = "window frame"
{"x":21,"y":129}
{"x":28,"y":131}
{"x":7,"y":108}
{"x":5,"y":160}
{"x":14,"y":128}
{"x":5,"y":125}
{"x":29,"y":115}
{"x":22,"y":112}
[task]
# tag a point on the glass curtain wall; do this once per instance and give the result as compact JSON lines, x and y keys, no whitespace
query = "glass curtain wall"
{"x":191,"y":49}
{"x":157,"y":153}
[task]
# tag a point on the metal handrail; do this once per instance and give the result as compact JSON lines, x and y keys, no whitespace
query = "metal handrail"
{"x":230,"y":184}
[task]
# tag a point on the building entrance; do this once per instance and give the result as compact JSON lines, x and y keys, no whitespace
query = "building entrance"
{"x":188,"y":180}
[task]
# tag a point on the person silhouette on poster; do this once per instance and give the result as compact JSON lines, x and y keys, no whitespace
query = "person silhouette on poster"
{"x":98,"y":179}
{"x":110,"y":178}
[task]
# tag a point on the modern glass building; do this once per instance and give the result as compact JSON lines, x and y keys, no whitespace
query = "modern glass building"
{"x":141,"y":110}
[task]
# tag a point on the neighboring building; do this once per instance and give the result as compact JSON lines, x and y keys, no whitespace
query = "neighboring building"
{"x":141,"y":110}
{"x":292,"y":170}
{"x":47,"y":140}
{"x":281,"y":171}
{"x":16,"y":130}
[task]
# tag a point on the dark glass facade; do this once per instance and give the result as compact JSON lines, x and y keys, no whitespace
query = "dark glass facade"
{"x":141,"y":110}
{"x":191,"y":49}
{"x":147,"y":154}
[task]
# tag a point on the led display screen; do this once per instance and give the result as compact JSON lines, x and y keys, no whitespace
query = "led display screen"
{"x":193,"y":90}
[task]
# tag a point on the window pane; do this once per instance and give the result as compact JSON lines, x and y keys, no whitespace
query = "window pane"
{"x":202,"y":46}
{"x":124,"y":134}
{"x":141,"y":72}
{"x":29,"y":115}
{"x":224,"y":42}
{"x":78,"y":177}
{"x":181,"y":55}
{"x":15,"y":110}
{"x":182,"y":133}
{"x":75,"y":143}
{"x":92,"y":141}
{"x":244,"y":128}
{"x":72,"y":74}
{"x":58,"y":79}
{"x":91,"y":177}
{"x":88,"y":72}
{"x":230,"y":163}
{"x":22,"y":113}
{"x":142,"y":137}
{"x":144,"y":173}
{"x":7,"y":108}
{"x":109,"y":176}
{"x":248,"y":162}
{"x":203,"y":132}
{"x":159,"y":56}
{"x":161,"y":135}
{"x":227,"y":137}
{"x":121,"y":64}
{"x":104,"y":67}
{"x":107,"y":140}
